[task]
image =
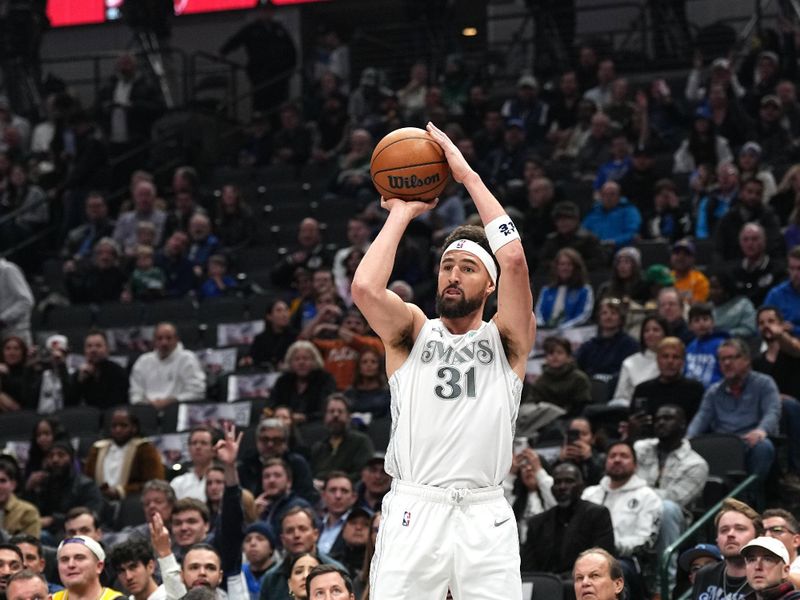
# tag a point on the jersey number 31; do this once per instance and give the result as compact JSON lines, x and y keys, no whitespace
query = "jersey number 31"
{"x":451,"y":387}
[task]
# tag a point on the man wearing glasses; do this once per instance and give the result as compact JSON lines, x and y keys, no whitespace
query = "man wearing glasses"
{"x":782,"y":525}
{"x":744,"y":403}
{"x":767,"y":567}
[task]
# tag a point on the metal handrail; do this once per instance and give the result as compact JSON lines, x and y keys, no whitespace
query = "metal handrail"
{"x":39,"y":235}
{"x":22,"y":209}
{"x":663,"y":567}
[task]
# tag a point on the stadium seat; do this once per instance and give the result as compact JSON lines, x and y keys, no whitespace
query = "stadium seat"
{"x":724,"y":453}
{"x":546,"y":586}
{"x":61,"y":317}
{"x":17,"y":425}
{"x":173,"y":309}
{"x":221,"y":310}
{"x":169,"y":418}
{"x":653,"y":252}
{"x":120,"y":314}
{"x":80,"y":419}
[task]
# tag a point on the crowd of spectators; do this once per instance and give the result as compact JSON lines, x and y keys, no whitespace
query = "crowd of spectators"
{"x":635,"y":357}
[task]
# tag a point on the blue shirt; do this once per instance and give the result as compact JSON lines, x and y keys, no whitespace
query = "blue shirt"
{"x":701,"y":359}
{"x":757,"y":407}
{"x":785,"y":297}
{"x":619,"y":224}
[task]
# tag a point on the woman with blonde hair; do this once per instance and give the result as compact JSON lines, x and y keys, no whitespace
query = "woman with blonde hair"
{"x":568,"y":299}
{"x":304,"y":384}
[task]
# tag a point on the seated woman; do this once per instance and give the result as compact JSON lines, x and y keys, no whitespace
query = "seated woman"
{"x":626,"y":281}
{"x":561,"y":383}
{"x":269,"y":347}
{"x":733,"y":312}
{"x":568,"y":299}
{"x":370,"y":389}
{"x":124,"y":462}
{"x":641,"y":366}
{"x":46,"y":431}
{"x":305,"y":384}
{"x":703,"y":146}
{"x":17,"y":377}
{"x":604,"y":353}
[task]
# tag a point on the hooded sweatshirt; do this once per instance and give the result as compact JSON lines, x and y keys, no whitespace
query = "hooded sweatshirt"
{"x":635,"y":512}
{"x":701,"y":358}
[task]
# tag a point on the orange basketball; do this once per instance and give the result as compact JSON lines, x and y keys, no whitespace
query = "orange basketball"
{"x":408,"y":164}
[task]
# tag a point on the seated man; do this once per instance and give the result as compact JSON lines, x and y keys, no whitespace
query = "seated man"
{"x":671,"y":386}
{"x":569,"y":234}
{"x":604,"y":353}
{"x":673,"y":470}
{"x":374,"y":484}
{"x":351,"y":546}
{"x":189,"y":525}
{"x":258,"y":549}
{"x":571,"y":527}
{"x":33,"y":558}
{"x":690,"y":282}
{"x":11,"y":562}
{"x":766,"y":564}
{"x":27,"y":585}
{"x":338,"y":497}
{"x":168,"y":374}
{"x":786,"y":295}
{"x":299,"y":533}
{"x":277,"y":498}
{"x":192,"y":483}
{"x":613,"y":219}
{"x":80,"y":563}
{"x":19,"y":517}
{"x":123,"y":463}
{"x":344,"y":449}
{"x":99,"y":382}
{"x":329,"y":581}
{"x":134,"y":562}
{"x":744,"y":403}
{"x":598,"y":575}
{"x":758,"y":271}
{"x":783,"y":526}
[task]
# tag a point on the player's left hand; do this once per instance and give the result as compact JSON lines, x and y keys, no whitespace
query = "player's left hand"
{"x":411,"y":208}
{"x":458,"y":164}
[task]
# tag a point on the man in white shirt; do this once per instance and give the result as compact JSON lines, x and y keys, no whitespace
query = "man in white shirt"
{"x":16,"y":302}
{"x":168,"y":374}
{"x":358,"y":235}
{"x":134,"y":563}
{"x":192,"y":483}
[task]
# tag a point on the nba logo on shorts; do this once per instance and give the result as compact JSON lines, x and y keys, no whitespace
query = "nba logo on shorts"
{"x":406,"y":519}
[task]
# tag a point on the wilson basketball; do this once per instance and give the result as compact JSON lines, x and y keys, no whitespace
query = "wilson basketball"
{"x":408,"y":164}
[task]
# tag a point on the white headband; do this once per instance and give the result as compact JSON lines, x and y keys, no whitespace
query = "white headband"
{"x":91,"y":544}
{"x":478,"y":251}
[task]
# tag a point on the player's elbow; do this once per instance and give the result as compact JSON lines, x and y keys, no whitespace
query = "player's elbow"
{"x":512,"y":260}
{"x":363,"y":291}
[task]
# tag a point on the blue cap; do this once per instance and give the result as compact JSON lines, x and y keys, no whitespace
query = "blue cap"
{"x":687,"y":557}
{"x":264,"y":529}
{"x":702,"y":112}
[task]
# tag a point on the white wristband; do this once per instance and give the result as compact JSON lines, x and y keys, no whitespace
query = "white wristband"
{"x":500,"y":232}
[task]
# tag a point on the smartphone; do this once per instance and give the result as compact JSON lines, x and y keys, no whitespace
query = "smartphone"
{"x":573,"y":435}
{"x":520,"y":443}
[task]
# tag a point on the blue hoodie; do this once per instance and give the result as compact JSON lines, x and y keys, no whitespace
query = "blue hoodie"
{"x":701,"y":358}
{"x":620,"y":224}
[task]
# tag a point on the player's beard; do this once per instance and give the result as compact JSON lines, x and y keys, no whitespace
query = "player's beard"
{"x":456,"y":309}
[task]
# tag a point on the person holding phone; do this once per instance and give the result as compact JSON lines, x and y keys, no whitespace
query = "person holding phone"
{"x":579,"y":449}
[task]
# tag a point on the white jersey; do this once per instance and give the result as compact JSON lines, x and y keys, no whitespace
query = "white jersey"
{"x":454,"y":409}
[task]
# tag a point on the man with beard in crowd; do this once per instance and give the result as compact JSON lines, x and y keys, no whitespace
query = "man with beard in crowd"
{"x":344,"y":449}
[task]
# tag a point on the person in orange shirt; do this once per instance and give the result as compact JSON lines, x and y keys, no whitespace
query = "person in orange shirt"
{"x":690,"y":282}
{"x":341,"y":346}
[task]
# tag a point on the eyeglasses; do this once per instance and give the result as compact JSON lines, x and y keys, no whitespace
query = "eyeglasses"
{"x":768,"y":559}
{"x":779,"y":530}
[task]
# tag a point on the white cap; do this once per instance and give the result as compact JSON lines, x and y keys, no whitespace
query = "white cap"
{"x":91,"y":544}
{"x":769,"y":544}
{"x":57,"y":341}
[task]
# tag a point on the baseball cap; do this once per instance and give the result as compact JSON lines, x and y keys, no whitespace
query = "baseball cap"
{"x":769,"y":54}
{"x":527,"y":81}
{"x":91,"y":544}
{"x":377,"y":457}
{"x":659,"y":274}
{"x":684,"y":244}
{"x":358,"y":511}
{"x":721,"y":63}
{"x":687,"y":557}
{"x":63,"y":445}
{"x":751,"y":148}
{"x":57,"y":341}
{"x":516,"y":123}
{"x":769,"y":544}
{"x":702,"y":112}
{"x":771,"y":99}
{"x":566,"y":209}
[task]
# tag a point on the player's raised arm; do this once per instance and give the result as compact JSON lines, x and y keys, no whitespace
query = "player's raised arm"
{"x":390,"y":317}
{"x":514,"y":317}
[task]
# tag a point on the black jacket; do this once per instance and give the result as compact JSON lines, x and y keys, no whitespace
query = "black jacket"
{"x":108,"y":386}
{"x":557,"y":536}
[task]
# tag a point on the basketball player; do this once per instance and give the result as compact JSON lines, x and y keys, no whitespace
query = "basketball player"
{"x":455,"y":384}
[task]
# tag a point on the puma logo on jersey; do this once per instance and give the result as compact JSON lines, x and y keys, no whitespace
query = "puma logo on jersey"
{"x":480,"y":350}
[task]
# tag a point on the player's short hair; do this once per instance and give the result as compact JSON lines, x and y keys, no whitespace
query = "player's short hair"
{"x":324,"y":570}
{"x":187,"y":504}
{"x":134,"y":550}
{"x":734,"y":505}
{"x":614,"y":568}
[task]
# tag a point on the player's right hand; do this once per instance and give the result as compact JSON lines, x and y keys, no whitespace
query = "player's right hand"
{"x":413,"y":208}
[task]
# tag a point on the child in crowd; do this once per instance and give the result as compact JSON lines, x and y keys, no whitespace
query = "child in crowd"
{"x":561,"y":383}
{"x":218,"y":283}
{"x":147,"y":280}
{"x":701,"y":353}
